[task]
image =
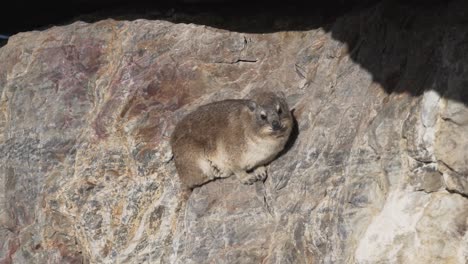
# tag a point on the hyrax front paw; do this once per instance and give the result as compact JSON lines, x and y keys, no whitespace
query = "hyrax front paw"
{"x":260,"y":173}
{"x":249,"y":180}
{"x":245,"y":178}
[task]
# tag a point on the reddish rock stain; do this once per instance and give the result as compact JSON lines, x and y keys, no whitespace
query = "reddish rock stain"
{"x":13,"y":246}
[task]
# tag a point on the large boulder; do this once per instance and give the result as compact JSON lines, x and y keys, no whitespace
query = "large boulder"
{"x":376,"y":171}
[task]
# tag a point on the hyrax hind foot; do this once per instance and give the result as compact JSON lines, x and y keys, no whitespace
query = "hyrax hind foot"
{"x":217,"y":172}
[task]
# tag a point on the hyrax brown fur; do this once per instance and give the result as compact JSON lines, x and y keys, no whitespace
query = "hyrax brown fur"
{"x":231,"y":137}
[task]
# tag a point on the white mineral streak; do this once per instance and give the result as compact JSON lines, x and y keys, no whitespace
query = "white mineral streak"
{"x":385,"y":237}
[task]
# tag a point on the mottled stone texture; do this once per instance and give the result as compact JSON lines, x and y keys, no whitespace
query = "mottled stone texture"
{"x":377,"y":172}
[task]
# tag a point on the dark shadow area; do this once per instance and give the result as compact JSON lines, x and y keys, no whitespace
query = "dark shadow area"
{"x":410,"y":46}
{"x":242,"y":16}
{"x":407,"y":46}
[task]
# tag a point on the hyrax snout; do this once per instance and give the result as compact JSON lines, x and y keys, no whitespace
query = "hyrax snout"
{"x":230,"y":137}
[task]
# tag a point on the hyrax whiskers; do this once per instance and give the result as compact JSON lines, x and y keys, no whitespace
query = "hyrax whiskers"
{"x":231,"y":137}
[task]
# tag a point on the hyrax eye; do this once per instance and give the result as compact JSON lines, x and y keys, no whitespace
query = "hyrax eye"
{"x":263,"y":116}
{"x":280,"y":111}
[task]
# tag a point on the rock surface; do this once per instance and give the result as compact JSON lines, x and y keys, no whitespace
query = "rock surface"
{"x":377,"y":172}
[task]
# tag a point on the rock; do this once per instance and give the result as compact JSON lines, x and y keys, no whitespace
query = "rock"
{"x":404,"y":220}
{"x":375,"y":171}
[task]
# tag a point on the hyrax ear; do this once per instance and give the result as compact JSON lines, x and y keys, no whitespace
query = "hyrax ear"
{"x":252,"y":105}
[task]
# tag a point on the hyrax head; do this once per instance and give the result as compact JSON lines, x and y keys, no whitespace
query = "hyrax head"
{"x":271,"y":115}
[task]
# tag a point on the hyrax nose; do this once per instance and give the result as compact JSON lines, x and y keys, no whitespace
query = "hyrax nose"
{"x":276,"y":125}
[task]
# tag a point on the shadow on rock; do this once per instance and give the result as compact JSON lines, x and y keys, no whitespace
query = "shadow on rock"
{"x":292,"y":138}
{"x":407,"y":46}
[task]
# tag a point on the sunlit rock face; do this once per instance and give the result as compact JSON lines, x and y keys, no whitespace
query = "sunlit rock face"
{"x":376,"y":171}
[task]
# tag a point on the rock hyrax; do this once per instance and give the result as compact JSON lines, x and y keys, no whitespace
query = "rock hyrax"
{"x":231,"y":137}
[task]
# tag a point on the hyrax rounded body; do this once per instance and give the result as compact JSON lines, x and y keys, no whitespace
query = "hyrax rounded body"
{"x":231,"y":137}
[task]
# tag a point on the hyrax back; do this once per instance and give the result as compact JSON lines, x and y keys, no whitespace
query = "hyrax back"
{"x":231,"y":137}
